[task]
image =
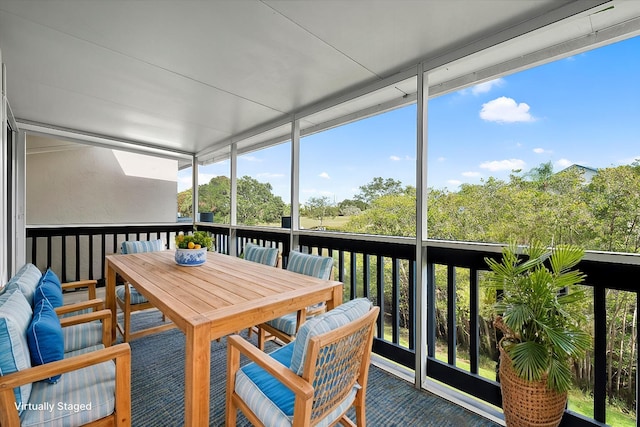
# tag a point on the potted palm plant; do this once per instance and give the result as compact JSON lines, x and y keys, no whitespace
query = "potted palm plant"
{"x":541,"y":332}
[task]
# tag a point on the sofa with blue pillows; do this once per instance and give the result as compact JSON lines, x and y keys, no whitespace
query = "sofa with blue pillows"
{"x":58,"y":371}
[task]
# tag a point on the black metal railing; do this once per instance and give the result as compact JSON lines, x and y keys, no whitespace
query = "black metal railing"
{"x":383,"y":269}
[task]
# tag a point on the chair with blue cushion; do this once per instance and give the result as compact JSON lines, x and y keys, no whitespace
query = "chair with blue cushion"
{"x":311,"y":381}
{"x":286,"y":327}
{"x":262,"y":255}
{"x":130,"y":300}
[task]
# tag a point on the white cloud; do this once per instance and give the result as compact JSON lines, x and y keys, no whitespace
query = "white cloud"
{"x":539,"y":150}
{"x":563,"y":163}
{"x":486,"y":86}
{"x":630,"y":160}
{"x":324,"y":175}
{"x":501,"y":165}
{"x":442,"y":159}
{"x":471,"y":174}
{"x":454,"y":182}
{"x":505,"y":110}
{"x":395,"y":158}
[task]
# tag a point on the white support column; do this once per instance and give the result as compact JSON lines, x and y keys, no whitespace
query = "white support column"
{"x":194,"y":189}
{"x":19,"y":200}
{"x":4,"y":163}
{"x":295,"y":183}
{"x":233,"y":199}
{"x":421,"y":228}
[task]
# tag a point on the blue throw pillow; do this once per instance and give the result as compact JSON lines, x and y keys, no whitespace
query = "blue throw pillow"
{"x":49,"y":288}
{"x":44,"y":337}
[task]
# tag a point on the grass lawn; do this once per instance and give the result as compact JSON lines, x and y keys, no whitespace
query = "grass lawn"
{"x":331,"y":223}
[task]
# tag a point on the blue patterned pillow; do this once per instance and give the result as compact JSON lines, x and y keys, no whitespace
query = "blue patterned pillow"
{"x":259,"y":254}
{"x":310,"y":265}
{"x":137,"y":246}
{"x":27,"y":279}
{"x":15,"y":315}
{"x":49,"y":288}
{"x":339,"y":316}
{"x":44,"y":337}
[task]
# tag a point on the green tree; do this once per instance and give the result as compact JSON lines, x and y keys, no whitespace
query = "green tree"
{"x":391,"y":214}
{"x":214,"y":197}
{"x":378,"y":187}
{"x":256,"y":202}
{"x":319,"y":208}
{"x":614,"y":198}
{"x":185,"y":203}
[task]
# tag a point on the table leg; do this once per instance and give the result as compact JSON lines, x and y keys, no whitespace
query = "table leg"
{"x":197,"y":374}
{"x":337,"y":298}
{"x":110,"y":294}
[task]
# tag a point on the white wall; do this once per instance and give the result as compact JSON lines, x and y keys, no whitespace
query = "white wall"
{"x":70,"y":183}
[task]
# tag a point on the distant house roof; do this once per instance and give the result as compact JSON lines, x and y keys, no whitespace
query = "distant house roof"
{"x":588,"y":172}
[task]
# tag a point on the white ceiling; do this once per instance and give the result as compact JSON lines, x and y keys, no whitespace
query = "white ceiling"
{"x":190,"y":76}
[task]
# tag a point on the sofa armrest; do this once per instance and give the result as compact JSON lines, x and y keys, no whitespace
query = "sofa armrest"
{"x":95,"y":304}
{"x":120,"y":354}
{"x":103,"y":315}
{"x":89,"y":284}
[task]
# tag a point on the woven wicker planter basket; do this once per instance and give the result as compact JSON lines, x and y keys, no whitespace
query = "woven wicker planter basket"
{"x":527,"y":403}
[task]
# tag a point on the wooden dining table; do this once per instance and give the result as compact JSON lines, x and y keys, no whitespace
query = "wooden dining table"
{"x":224,"y":295}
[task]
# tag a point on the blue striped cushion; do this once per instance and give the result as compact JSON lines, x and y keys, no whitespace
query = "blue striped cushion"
{"x":27,"y":279}
{"x":81,"y":336}
{"x":325,"y":322}
{"x":310,"y":265}
{"x":286,"y":323}
{"x":15,"y":316}
{"x":137,"y":246}
{"x":271,"y":401}
{"x":255,"y":253}
{"x":93,"y":387}
{"x":135,"y":297}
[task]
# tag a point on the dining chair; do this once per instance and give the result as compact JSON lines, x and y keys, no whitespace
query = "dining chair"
{"x":311,"y":381}
{"x":286,"y":327}
{"x":130,"y":300}
{"x":262,"y":255}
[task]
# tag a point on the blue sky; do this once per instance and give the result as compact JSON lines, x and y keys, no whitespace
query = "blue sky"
{"x":581,"y":110}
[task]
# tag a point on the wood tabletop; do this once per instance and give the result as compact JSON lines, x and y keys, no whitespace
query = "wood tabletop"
{"x":227,"y":293}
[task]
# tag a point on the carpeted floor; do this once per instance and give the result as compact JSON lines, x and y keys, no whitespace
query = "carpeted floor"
{"x":157,"y":390}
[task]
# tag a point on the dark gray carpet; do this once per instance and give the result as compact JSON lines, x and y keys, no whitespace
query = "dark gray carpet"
{"x":157,"y":390}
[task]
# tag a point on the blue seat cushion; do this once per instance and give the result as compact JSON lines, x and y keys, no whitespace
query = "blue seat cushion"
{"x":273,"y":389}
{"x":15,"y":316}
{"x":135,"y":297}
{"x":49,"y":288}
{"x":259,"y":254}
{"x":44,"y":337}
{"x":325,"y":322}
{"x":89,"y":395}
{"x":286,"y":323}
{"x":310,"y":265}
{"x":27,"y":279}
{"x":271,"y":401}
{"x":137,"y":246}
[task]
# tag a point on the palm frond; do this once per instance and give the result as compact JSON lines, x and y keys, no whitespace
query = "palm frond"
{"x":530,"y":360}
